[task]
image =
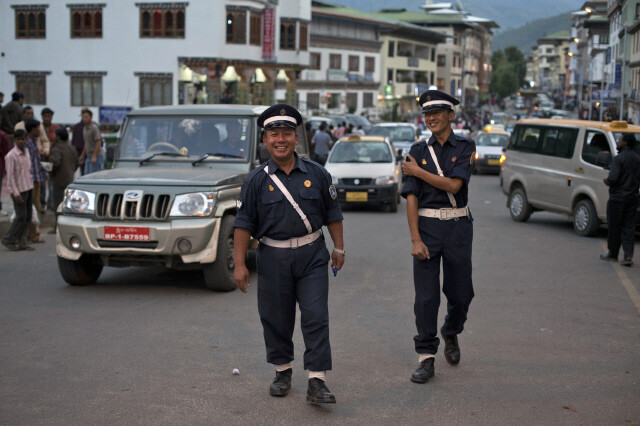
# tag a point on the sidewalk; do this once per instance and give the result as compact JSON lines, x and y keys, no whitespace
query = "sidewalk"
{"x":46,"y":220}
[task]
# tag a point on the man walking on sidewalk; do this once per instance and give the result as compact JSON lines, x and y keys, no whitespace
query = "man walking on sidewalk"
{"x":64,"y":161}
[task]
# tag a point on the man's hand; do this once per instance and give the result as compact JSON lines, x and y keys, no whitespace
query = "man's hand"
{"x":420,"y":250}
{"x":93,"y":159}
{"x":337,"y":260}
{"x":241,"y":276}
{"x":18,"y":200}
{"x":411,"y":166}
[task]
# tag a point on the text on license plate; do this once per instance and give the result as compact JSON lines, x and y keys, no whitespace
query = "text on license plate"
{"x":126,"y":233}
{"x":357,"y":196}
{"x":493,"y":162}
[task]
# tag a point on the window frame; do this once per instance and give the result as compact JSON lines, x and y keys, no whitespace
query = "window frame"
{"x":81,"y":78}
{"x":163,"y":80}
{"x":335,"y":57}
{"x":156,"y":26}
{"x":255,"y":28}
{"x":36,"y":29}
{"x":288,"y":34}
{"x":312,"y":62}
{"x":353,"y":63}
{"x":304,"y":36}
{"x":236,"y":32}
{"x":25,"y":82}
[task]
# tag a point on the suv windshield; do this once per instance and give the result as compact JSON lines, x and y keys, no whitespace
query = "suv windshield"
{"x":396,"y":133}
{"x":225,"y":138}
{"x":360,"y":152}
{"x":488,"y":139}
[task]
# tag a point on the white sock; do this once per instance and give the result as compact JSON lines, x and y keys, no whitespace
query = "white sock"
{"x":425,"y":356}
{"x":283,"y":367}
{"x":322,"y":375}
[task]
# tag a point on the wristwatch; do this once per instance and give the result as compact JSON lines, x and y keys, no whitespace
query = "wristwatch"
{"x":342,"y":252}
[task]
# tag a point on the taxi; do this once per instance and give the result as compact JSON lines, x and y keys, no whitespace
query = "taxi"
{"x":367,"y":171}
{"x":489,"y":144}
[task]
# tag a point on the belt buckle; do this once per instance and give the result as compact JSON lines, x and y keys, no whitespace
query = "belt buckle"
{"x":443,"y":213}
{"x":293,"y":243}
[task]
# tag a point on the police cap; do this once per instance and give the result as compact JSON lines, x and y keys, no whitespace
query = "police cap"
{"x":436,"y":100}
{"x":280,"y":115}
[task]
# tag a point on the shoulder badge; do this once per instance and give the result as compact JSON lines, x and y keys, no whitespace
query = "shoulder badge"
{"x":333,"y":192}
{"x":238,"y":204}
{"x":472,"y":158}
{"x":307,"y":183}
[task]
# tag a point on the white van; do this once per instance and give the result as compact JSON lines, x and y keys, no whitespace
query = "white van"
{"x":559,"y":166}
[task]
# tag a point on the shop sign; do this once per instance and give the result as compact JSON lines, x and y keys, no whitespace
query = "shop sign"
{"x":267,"y":33}
{"x":336,"y":75}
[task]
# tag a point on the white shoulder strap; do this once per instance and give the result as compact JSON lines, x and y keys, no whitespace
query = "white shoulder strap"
{"x":289,"y":198}
{"x":452,"y":199}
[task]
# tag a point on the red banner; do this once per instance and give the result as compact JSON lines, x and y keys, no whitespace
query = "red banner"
{"x":267,"y":33}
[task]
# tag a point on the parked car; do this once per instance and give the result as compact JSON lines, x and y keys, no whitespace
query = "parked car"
{"x":559,"y":166}
{"x":366,"y":170}
{"x":403,"y":135}
{"x":359,"y":120}
{"x":489,"y":144}
{"x":170,"y":198}
{"x":331,"y":121}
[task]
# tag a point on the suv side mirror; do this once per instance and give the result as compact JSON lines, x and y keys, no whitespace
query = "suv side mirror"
{"x":603,"y":159}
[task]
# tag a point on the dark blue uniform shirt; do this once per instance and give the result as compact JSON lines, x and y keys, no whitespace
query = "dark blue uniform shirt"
{"x":456,"y":158}
{"x":264,"y":210}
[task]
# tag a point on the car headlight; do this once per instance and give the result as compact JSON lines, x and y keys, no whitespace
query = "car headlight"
{"x":77,"y":201}
{"x":385,"y":180}
{"x":479,"y":156}
{"x":194,"y":204}
{"x":334,"y":180}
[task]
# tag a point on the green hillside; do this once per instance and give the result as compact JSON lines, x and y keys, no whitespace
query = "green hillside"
{"x":524,"y":37}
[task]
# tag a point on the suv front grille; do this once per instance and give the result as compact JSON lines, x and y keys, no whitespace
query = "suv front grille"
{"x":149,"y":207}
{"x":361,"y":181}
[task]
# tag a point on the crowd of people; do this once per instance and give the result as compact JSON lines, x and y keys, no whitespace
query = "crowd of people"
{"x":38,"y":161}
{"x":323,"y":138}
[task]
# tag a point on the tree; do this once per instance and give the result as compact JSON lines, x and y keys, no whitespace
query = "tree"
{"x":509,"y":69}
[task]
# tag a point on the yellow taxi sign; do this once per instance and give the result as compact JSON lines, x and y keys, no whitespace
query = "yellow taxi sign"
{"x":353,"y":138}
{"x":619,"y":125}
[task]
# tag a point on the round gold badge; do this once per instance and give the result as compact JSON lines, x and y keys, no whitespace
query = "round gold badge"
{"x":307,"y":183}
{"x":424,"y":161}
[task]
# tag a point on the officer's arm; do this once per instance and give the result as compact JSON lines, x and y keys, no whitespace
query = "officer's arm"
{"x":241,"y":237}
{"x":452,"y":185}
{"x":335,"y":230}
{"x":418,"y":248}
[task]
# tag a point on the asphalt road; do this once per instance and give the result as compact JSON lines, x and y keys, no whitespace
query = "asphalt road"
{"x":552,"y":337}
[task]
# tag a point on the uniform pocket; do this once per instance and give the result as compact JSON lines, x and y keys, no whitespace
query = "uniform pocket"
{"x":272,"y":202}
{"x":310,"y":202}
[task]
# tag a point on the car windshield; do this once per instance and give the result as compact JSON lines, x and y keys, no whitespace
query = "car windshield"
{"x":396,"y":133}
{"x":224,"y":138}
{"x":618,"y":135}
{"x":489,"y":139}
{"x":361,"y":152}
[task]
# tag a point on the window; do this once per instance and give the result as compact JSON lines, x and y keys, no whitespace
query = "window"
{"x":86,"y":88}
{"x":333,"y":100}
{"x":314,"y":61}
{"x":433,"y":55}
{"x":352,"y":101}
{"x":287,"y":34}
{"x":367,"y":100}
{"x":236,"y":26}
{"x":442,"y":61}
{"x":594,"y":142}
{"x":354,"y":63}
{"x":30,"y":21}
{"x":389,"y":75}
{"x":313,"y":101}
{"x":86,"y":21}
{"x":162,"y":20}
{"x":155,"y":89}
{"x":303,"y":36}
{"x":441,"y":83}
{"x":604,"y":39}
{"x":33,"y":85}
{"x":335,"y":61}
{"x":559,"y":142}
{"x":369,"y":64}
{"x":255,"y":36}
{"x":392,"y":49}
{"x":526,"y":139}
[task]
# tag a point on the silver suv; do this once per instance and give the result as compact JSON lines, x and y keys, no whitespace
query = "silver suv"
{"x":170,"y":198}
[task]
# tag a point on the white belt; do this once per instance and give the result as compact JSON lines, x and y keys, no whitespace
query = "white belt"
{"x":292,"y":242}
{"x":445,"y":213}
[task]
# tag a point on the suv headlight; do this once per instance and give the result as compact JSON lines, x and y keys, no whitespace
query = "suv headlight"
{"x":194,"y":204}
{"x":77,"y":201}
{"x":479,"y":156}
{"x":385,"y":180}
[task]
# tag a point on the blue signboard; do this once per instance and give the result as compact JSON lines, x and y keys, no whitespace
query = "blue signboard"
{"x":618,"y":74}
{"x":113,"y":114}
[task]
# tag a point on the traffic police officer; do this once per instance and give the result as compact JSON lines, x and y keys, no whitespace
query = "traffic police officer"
{"x":284,"y":203}
{"x":441,"y":227}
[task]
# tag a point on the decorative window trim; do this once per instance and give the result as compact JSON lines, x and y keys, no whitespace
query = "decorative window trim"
{"x":86,"y":6}
{"x":29,"y":7}
{"x":85,"y":73}
{"x":153,"y":74}
{"x":30,"y":73}
{"x":172,"y":5}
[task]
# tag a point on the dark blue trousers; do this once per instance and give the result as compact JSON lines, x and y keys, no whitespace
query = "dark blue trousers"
{"x":621,"y":221}
{"x":287,"y":276}
{"x":449,"y":241}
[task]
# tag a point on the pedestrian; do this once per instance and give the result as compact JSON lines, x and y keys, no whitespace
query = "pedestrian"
{"x":92,"y":155}
{"x":20,"y":184}
{"x":623,"y":182}
{"x":5,"y":147}
{"x":12,"y":113}
{"x":359,"y":131}
{"x":340,"y":131}
{"x":37,"y":173}
{"x":64,"y":161}
{"x":49,"y":130}
{"x":77,"y":138}
{"x":44,"y":147}
{"x":441,"y":229}
{"x":321,"y":143}
{"x":283,"y":204}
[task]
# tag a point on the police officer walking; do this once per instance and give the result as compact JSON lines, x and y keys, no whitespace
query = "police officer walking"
{"x":284,"y":203}
{"x":623,"y":182}
{"x":441,"y":228}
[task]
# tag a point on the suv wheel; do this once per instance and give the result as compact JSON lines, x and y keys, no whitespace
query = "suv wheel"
{"x":585,"y":218}
{"x":519,"y":206}
{"x":218,"y":276}
{"x":84,"y":271}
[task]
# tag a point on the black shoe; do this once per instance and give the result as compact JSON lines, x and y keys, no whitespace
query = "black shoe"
{"x":451,"y":349}
{"x":318,"y":393}
{"x":626,"y":262}
{"x":424,"y":372}
{"x":281,"y":384}
{"x":608,"y":258}
{"x":12,"y":247}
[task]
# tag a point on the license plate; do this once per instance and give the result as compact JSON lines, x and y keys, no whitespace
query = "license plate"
{"x":357,"y":196}
{"x":493,"y":162}
{"x":126,"y":233}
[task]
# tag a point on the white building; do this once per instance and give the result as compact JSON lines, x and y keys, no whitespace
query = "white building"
{"x":127,"y":53}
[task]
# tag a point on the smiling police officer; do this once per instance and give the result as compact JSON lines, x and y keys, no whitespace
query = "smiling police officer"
{"x":284,"y":203}
{"x":441,"y":227}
